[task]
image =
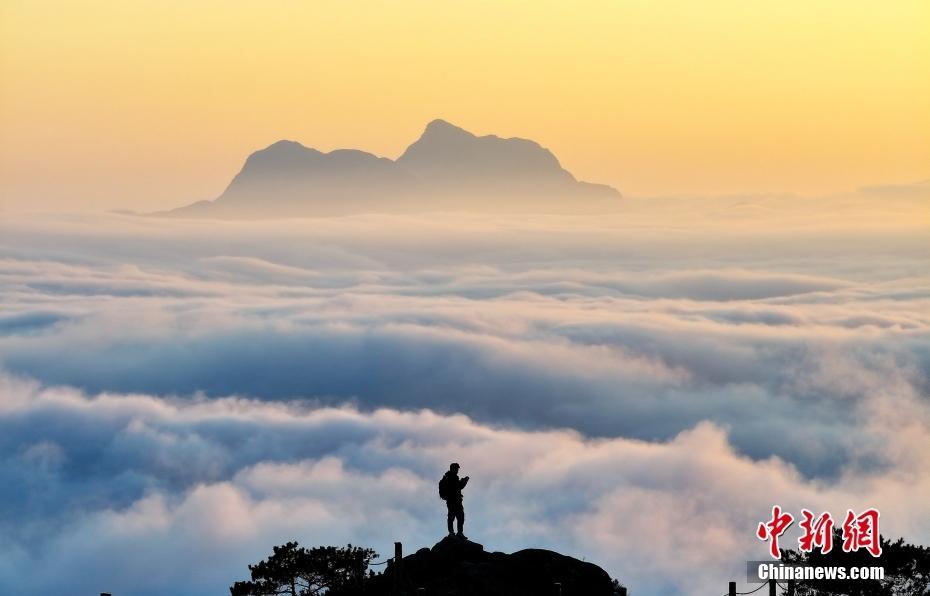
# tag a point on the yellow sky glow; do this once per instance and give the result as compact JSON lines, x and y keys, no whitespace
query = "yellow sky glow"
{"x":150,"y":104}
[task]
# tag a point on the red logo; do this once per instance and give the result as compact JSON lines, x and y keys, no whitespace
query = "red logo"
{"x":859,"y":531}
{"x":862,"y":532}
{"x":774,"y":528}
{"x":817,"y":532}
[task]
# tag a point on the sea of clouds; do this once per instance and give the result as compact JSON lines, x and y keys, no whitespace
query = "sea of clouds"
{"x":176,"y":397}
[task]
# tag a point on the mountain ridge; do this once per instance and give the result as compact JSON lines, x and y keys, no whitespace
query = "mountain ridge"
{"x":446,"y":169}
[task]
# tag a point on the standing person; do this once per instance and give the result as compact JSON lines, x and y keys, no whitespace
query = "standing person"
{"x":450,"y":489}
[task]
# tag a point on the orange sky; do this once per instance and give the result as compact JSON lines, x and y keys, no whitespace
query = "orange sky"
{"x":151,"y":104}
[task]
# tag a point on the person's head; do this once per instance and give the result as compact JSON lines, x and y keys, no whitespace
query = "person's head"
{"x":454,"y":468}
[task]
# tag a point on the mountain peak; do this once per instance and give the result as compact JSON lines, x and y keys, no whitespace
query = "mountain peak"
{"x":453,"y":158}
{"x":460,"y":566}
{"x":447,"y":168}
{"x":285,"y":146}
{"x":439,"y":127}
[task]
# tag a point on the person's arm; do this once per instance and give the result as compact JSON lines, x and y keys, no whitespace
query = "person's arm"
{"x":464,"y":481}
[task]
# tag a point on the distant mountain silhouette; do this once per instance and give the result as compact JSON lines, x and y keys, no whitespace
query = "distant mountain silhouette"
{"x":914,"y":190}
{"x":446,"y":169}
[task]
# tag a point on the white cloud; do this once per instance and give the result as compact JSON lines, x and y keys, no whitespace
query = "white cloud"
{"x":621,"y":380}
{"x":653,"y":513}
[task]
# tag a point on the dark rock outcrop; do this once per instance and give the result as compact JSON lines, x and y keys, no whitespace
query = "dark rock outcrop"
{"x":457,"y":567}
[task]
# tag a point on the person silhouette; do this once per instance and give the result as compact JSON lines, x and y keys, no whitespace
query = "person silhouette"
{"x":450,"y":489}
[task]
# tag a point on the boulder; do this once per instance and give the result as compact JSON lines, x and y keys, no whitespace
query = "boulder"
{"x":460,"y":567}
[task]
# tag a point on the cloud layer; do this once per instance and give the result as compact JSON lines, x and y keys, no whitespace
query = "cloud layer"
{"x":143,"y":495}
{"x":188,"y":394}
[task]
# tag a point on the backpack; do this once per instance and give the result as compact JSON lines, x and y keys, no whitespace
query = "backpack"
{"x":444,"y":488}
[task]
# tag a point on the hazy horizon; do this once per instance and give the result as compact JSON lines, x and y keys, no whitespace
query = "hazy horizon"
{"x":874,"y":192}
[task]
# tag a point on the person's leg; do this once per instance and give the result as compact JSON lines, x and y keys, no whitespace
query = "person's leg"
{"x":460,"y":517}
{"x":450,"y":516}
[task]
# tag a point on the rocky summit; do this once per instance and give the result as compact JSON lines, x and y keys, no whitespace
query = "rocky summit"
{"x":446,"y":169}
{"x":460,"y":567}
